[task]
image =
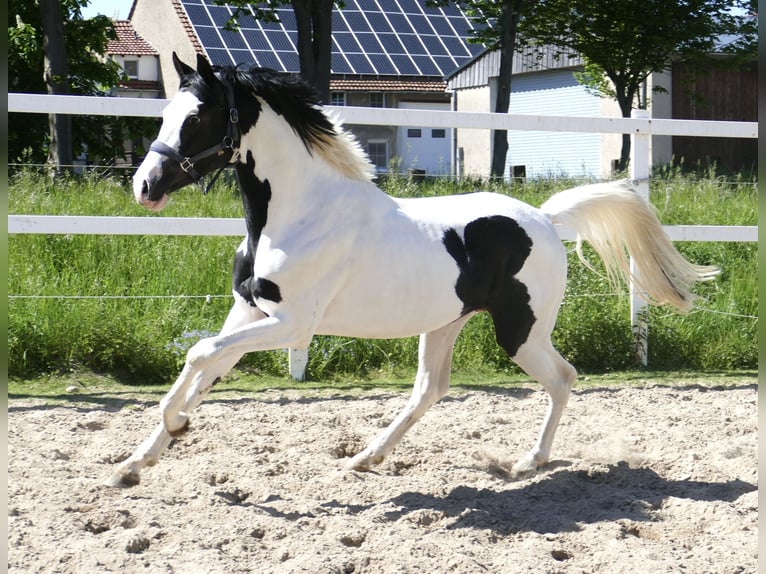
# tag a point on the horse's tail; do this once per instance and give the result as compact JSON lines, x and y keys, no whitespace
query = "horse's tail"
{"x":615,"y":219}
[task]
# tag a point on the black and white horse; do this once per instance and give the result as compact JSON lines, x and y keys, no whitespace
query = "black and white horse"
{"x":327,"y":252}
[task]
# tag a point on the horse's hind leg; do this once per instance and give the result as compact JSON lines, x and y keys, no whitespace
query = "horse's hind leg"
{"x":148,"y":453}
{"x":543,"y":363}
{"x":431,"y":384}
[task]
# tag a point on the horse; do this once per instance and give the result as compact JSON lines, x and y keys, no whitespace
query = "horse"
{"x":327,"y":252}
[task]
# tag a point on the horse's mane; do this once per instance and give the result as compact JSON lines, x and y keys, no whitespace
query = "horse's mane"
{"x":300,"y":105}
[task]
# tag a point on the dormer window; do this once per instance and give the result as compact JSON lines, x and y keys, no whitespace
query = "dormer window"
{"x":131,"y":69}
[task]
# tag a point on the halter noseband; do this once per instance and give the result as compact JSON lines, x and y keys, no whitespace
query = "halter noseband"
{"x":229,"y":142}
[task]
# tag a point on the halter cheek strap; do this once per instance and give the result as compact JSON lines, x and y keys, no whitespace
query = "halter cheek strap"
{"x":230,"y":142}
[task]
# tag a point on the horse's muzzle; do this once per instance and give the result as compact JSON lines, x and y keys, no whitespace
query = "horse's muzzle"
{"x":141,"y":190}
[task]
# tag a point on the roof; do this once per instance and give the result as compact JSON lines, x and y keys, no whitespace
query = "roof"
{"x":391,"y":38}
{"x":485,"y":65}
{"x":188,"y":28}
{"x":385,"y":85}
{"x":128,"y":42}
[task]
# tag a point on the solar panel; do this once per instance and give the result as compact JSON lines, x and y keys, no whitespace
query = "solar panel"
{"x":339,"y":64}
{"x":233,"y":40}
{"x":370,"y":38}
{"x":209,"y":37}
{"x":220,"y":15}
{"x":220,"y":56}
{"x":355,"y":20}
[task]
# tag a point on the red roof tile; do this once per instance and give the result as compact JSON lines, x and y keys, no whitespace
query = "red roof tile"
{"x":128,"y":41}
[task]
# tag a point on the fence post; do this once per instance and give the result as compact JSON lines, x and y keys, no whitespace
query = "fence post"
{"x":639,"y":173}
{"x":297,"y":361}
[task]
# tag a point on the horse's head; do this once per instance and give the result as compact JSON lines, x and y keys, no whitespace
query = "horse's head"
{"x":198,"y":135}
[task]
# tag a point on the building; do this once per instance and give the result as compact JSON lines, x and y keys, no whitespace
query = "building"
{"x":386,"y":53}
{"x":138,"y":59}
{"x":542,"y":84}
{"x":140,"y":64}
{"x":721,"y":92}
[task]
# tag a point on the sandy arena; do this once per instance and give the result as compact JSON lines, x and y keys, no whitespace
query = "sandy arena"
{"x":644,"y":478}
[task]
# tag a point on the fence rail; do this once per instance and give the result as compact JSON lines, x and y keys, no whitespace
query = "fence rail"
{"x":232,"y":226}
{"x":145,"y":107}
{"x":640,"y":126}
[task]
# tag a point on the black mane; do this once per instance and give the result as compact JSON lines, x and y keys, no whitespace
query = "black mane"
{"x":293,"y":99}
{"x":290,"y":96}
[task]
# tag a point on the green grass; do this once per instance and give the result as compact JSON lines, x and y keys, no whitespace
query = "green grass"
{"x":88,"y":387}
{"x":119,"y":331}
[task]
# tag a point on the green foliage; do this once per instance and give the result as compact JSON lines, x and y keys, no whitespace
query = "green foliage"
{"x":128,"y":320}
{"x":89,"y":73}
{"x":626,"y":41}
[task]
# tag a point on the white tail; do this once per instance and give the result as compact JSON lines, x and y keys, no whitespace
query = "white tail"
{"x":618,"y":223}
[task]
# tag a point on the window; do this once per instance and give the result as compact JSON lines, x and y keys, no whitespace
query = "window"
{"x":519,"y":172}
{"x":131,"y":68}
{"x":377,"y":100}
{"x":338,"y":99}
{"x":439,"y":134}
{"x":377,"y":150}
{"x":414,"y":132}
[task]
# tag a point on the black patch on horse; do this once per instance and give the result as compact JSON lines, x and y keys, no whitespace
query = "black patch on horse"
{"x":256,"y":195}
{"x":265,"y":289}
{"x":491,"y":252}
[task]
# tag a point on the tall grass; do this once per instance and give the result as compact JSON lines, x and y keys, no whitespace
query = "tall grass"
{"x":132,"y":305}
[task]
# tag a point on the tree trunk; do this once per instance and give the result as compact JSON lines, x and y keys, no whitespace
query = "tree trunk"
{"x":625,"y":102}
{"x":314,"y":22}
{"x":55,"y":75}
{"x":510,"y":19}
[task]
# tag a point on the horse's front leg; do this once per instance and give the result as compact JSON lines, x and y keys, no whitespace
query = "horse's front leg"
{"x":266,"y":334}
{"x":191,"y":387}
{"x":128,"y":473}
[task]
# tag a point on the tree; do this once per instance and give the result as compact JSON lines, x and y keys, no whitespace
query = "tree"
{"x":498,"y":29}
{"x":624,"y":41}
{"x":56,"y":80}
{"x":498,"y":26}
{"x":84,"y":71}
{"x":314,"y":23}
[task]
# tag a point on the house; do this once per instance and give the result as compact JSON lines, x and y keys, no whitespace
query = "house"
{"x":138,"y":59}
{"x":140,"y":64}
{"x":544,"y":84}
{"x":386,"y":53}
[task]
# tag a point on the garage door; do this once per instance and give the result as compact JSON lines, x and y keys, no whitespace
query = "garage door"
{"x":553,"y":154}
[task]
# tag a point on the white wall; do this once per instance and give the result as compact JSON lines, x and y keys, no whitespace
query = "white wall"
{"x":476,"y":144}
{"x":543,"y":153}
{"x":158,"y":24}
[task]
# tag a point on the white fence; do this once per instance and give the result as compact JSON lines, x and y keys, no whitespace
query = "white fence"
{"x":640,"y":126}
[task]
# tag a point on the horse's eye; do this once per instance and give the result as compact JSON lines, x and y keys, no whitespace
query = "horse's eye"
{"x":192,"y":120}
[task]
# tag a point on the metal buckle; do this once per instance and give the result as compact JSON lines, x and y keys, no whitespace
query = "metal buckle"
{"x":186,"y":164}
{"x":233,"y":115}
{"x":228,"y":142}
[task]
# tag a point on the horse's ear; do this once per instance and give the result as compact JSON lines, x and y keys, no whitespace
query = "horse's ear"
{"x":205,"y":70}
{"x":181,"y":68}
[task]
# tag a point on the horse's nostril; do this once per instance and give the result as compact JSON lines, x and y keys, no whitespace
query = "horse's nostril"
{"x":144,"y":188}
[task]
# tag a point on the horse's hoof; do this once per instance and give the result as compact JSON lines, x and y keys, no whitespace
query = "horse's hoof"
{"x":122,"y":479}
{"x":177,"y":425}
{"x":526,"y":466}
{"x":363,"y":462}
